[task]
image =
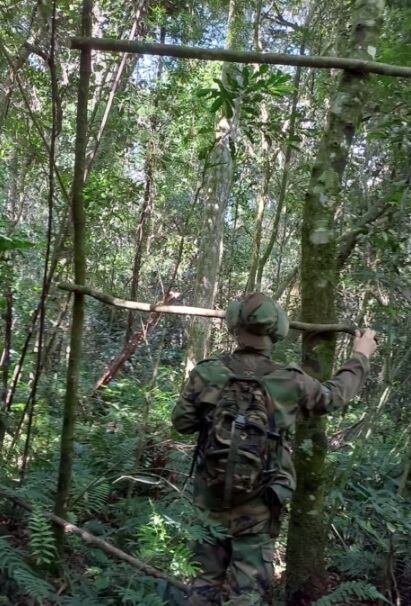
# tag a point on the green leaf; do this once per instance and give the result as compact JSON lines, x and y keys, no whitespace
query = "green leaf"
{"x":7,"y":243}
{"x":203,"y":92}
{"x":217,"y":104}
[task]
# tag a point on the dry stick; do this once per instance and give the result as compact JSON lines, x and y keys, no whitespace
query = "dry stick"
{"x":31,"y":402}
{"x":231,"y":56}
{"x":190,"y":311}
{"x":99,"y":543}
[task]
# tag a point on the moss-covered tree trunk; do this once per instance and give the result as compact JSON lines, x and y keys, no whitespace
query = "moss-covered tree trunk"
{"x":308,"y":528}
{"x":217,"y":188}
{"x":79,"y":233}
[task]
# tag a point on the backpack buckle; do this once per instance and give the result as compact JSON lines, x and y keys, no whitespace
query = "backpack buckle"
{"x":240,"y":422}
{"x":271,"y":435}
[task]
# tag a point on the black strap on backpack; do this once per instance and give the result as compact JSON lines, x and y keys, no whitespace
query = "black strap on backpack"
{"x":241,"y":373}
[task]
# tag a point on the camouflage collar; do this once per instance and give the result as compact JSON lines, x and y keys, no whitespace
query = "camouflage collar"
{"x":248,"y":349}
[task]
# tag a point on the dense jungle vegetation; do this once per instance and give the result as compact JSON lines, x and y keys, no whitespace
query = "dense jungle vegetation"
{"x":203,"y":180}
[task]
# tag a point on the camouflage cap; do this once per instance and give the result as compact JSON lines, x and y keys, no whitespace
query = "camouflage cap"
{"x":255,"y":318}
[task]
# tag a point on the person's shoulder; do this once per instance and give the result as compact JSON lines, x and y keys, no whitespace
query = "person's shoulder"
{"x":287,"y":369}
{"x":211,"y":370}
{"x":293,"y":367}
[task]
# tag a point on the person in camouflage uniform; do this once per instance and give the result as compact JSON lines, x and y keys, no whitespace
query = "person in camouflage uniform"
{"x":238,"y":569}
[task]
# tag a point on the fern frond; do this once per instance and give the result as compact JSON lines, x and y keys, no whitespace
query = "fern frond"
{"x":139,"y":597}
{"x":346,"y":592}
{"x":42,"y":543}
{"x":12,"y":563}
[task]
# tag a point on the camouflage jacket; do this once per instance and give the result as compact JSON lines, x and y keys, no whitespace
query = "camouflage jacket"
{"x":290,"y":387}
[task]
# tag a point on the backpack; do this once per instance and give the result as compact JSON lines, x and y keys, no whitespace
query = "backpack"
{"x":238,"y":438}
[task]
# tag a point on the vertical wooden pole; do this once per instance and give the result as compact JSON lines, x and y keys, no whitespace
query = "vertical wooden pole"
{"x":78,"y":217}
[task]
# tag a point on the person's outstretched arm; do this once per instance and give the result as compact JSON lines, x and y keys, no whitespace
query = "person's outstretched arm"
{"x":322,"y":398}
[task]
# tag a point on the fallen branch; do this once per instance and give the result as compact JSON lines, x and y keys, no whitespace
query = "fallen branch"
{"x":99,"y":543}
{"x":221,"y":54}
{"x":190,"y":311}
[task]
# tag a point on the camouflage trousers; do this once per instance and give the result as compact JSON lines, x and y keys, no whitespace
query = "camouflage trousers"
{"x":237,"y":570}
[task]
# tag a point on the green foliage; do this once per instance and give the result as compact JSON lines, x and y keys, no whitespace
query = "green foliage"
{"x":247,"y":84}
{"x":13,"y":564}
{"x":349,"y":591}
{"x":42,"y":543}
{"x":7,"y":243}
{"x":137,"y":597}
{"x":157,"y":545}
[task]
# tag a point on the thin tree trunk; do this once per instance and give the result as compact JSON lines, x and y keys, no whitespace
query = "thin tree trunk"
{"x":143,"y":232}
{"x":359,"y":66}
{"x":39,"y":19}
{"x":307,"y":529}
{"x":218,"y":183}
{"x":79,"y":227}
{"x":284,"y":178}
{"x":5,"y":363}
{"x":134,"y":32}
{"x":31,"y":403}
{"x":144,"y":226}
{"x":262,"y":196}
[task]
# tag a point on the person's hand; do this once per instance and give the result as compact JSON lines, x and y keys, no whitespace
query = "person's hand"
{"x":365,"y":342}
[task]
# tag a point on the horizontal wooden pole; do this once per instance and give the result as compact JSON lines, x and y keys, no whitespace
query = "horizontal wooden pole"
{"x":190,"y":311}
{"x":231,"y":56}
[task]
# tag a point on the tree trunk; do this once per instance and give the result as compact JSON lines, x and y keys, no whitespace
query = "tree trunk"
{"x":142,"y":232}
{"x":5,"y":362}
{"x":307,"y":530}
{"x":284,"y":178}
{"x":79,"y":232}
{"x":218,"y":182}
{"x":144,"y":226}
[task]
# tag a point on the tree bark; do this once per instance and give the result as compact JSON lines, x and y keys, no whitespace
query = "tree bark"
{"x":307,"y":530}
{"x":79,"y":232}
{"x":5,"y":362}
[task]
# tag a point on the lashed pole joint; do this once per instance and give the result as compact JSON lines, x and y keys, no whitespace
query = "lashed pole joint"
{"x":231,"y":56}
{"x":190,"y":311}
